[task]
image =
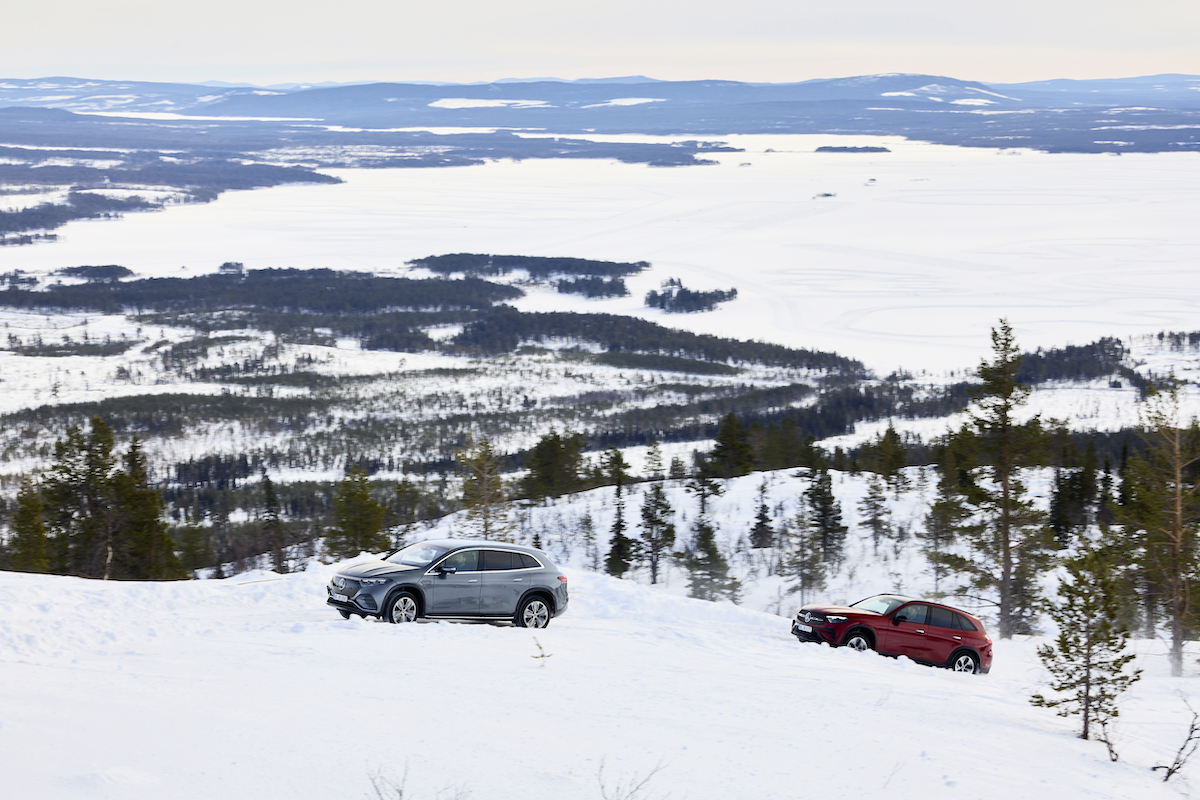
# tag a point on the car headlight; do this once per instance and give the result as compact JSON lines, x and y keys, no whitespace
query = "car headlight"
{"x":372,"y":581}
{"x":835,"y":618}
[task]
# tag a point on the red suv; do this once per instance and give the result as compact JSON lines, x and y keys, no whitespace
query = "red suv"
{"x":901,"y":626}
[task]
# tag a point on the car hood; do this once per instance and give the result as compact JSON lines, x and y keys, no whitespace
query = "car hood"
{"x":374,"y":569}
{"x":824,"y":610}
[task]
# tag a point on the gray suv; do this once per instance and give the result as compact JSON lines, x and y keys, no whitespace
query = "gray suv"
{"x":453,"y":579}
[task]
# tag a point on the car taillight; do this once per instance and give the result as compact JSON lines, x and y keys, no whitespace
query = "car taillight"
{"x":562,"y":578}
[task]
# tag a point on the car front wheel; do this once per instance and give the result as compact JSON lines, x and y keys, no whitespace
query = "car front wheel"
{"x":533,"y":613}
{"x":859,"y":641}
{"x":965,"y":662}
{"x":404,"y":608}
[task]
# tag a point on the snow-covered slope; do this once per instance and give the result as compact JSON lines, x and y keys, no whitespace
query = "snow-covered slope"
{"x":252,"y":688}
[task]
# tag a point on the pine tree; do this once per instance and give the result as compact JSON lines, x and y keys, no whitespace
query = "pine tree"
{"x":678,"y":469}
{"x":484,"y":494}
{"x":874,"y":512}
{"x":825,"y":515}
{"x":804,"y":563}
{"x":620,"y":552}
{"x":707,"y":569}
{"x":1008,"y":550}
{"x":272,"y":524}
{"x":762,"y":535}
{"x":587,"y":532}
{"x":1088,"y":661}
{"x":945,"y":518}
{"x":658,"y":532}
{"x":616,"y":470}
{"x":704,"y":487}
{"x":143,"y":546}
{"x":358,"y":518}
{"x":732,"y":456}
{"x":555,"y":465}
{"x":28,"y":544}
{"x":654,"y":461}
{"x":406,"y":505}
{"x":1161,"y":514}
{"x":892,"y":459}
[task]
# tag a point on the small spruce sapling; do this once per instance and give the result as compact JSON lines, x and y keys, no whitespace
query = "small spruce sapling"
{"x":1088,"y":662}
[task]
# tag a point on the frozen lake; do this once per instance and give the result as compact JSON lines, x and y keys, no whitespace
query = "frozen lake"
{"x":917,"y":253}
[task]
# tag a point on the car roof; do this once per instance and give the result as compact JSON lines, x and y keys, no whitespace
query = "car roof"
{"x":932,"y":603}
{"x":462,"y":544}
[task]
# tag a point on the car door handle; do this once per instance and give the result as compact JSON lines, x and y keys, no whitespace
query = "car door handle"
{"x":473,"y":580}
{"x":958,"y":638}
{"x":920,"y":631}
{"x":517,"y":580}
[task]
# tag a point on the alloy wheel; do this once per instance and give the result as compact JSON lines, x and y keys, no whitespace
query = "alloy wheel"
{"x":535,"y":614}
{"x":404,"y":609}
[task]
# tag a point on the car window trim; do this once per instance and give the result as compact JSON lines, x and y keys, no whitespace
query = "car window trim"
{"x":480,"y":549}
{"x":515,"y":552}
{"x":434,"y":567}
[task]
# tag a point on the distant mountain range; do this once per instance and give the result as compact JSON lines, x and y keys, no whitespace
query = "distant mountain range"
{"x":335,"y":101}
{"x":1153,"y":113}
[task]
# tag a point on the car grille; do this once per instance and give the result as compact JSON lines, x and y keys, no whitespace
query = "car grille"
{"x":809,"y":618}
{"x":343,"y":585}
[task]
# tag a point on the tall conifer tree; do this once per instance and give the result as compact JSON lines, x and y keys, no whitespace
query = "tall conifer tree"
{"x":1008,"y":549}
{"x":28,"y":544}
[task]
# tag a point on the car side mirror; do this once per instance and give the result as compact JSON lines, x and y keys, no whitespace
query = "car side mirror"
{"x":896,"y":620}
{"x":444,"y":570}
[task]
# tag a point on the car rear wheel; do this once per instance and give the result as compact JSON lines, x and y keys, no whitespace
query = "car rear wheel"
{"x":403,"y":609}
{"x":965,"y":662}
{"x":533,"y":613}
{"x":859,"y":641}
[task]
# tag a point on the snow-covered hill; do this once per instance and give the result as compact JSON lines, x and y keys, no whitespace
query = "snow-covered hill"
{"x":252,"y":688}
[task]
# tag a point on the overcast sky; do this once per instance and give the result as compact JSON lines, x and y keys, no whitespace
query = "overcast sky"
{"x":470,"y":40}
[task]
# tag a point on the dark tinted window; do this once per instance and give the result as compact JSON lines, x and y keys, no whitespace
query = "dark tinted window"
{"x":466,"y":561}
{"x":941,"y":617}
{"x":964,"y":624}
{"x":915,"y":613}
{"x":528,"y":562}
{"x":497,"y":559}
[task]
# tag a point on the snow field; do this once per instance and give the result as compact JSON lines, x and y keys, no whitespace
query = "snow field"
{"x":251,"y":687}
{"x":913,"y":259}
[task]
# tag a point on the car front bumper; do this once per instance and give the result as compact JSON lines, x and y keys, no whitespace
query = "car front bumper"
{"x":815,"y":633}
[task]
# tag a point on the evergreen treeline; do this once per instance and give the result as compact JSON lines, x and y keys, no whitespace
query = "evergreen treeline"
{"x":593,"y":287}
{"x":504,"y":329}
{"x":675,"y":298}
{"x":319,"y":291}
{"x":97,"y":272}
{"x":94,"y":514}
{"x":79,"y":205}
{"x":538,"y":267}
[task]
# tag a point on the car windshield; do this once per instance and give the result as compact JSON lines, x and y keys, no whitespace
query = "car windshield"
{"x":417,"y":555}
{"x":881,"y":604}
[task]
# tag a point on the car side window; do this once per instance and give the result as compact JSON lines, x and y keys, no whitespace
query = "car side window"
{"x":528,"y":562}
{"x":465,"y":561}
{"x":497,"y":560}
{"x":941,"y":617}
{"x":963,"y":624}
{"x":915,"y":613}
